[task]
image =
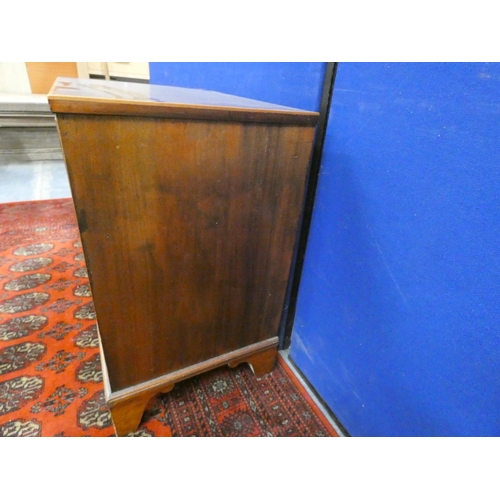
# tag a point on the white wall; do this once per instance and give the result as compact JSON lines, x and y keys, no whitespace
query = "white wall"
{"x":14,"y":78}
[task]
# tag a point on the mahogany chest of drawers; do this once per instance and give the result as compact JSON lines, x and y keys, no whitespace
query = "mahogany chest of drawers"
{"x":188,"y":204}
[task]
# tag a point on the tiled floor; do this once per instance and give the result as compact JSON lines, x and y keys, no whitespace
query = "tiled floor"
{"x":36,"y":180}
{"x":43,"y":180}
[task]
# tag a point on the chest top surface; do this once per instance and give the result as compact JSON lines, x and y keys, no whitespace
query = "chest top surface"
{"x":87,"y":96}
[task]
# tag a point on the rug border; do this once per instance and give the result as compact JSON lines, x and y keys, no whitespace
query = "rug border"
{"x":303,"y":392}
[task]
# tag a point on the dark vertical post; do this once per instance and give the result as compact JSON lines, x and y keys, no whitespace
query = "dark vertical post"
{"x":312,"y":182}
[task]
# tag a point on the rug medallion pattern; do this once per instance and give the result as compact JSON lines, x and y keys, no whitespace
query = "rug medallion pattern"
{"x":51,"y":380}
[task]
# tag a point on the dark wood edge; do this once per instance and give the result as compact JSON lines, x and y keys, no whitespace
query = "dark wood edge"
{"x":97,"y":106}
{"x":288,"y":316}
{"x":165,"y":381}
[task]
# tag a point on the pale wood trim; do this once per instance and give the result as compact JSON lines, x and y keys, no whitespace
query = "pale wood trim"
{"x":114,"y":107}
{"x":157,"y":385}
{"x":104,"y":367}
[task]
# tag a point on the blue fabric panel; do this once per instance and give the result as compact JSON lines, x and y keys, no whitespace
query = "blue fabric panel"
{"x":298,"y":85}
{"x":397,"y":324}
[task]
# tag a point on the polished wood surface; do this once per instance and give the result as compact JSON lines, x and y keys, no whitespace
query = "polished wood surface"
{"x":188,"y":235}
{"x":135,"y":93}
{"x":134,"y":99}
{"x":188,"y":227}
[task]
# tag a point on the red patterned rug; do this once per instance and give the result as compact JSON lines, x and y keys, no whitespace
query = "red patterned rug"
{"x":50,"y":371}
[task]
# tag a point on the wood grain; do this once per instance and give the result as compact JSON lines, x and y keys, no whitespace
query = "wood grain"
{"x":188,"y":230}
{"x":262,"y":363}
{"x":126,"y":415}
{"x":188,"y":204}
{"x":64,"y":104}
{"x":233,"y":358}
{"x":77,"y":89}
{"x":127,"y":406}
{"x":70,"y":95}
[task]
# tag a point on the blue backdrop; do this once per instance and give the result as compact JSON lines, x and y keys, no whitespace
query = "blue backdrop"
{"x":298,"y":85}
{"x":397,"y":324}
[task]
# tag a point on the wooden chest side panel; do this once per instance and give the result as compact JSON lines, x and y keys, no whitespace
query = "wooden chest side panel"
{"x":188,"y":230}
